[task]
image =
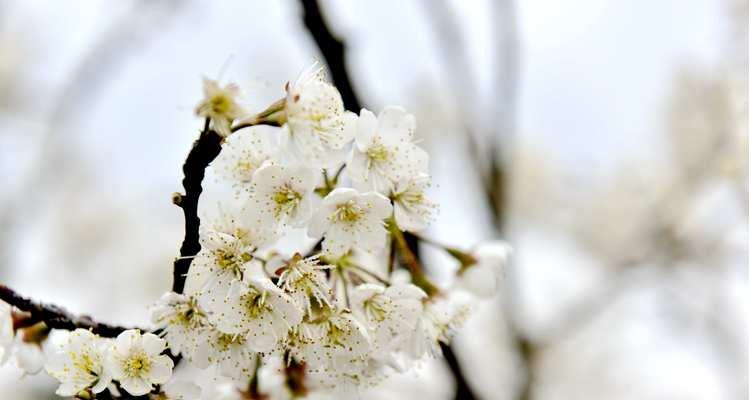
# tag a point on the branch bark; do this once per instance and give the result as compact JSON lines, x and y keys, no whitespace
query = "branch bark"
{"x":204,"y":150}
{"x":56,"y":317}
{"x":333,"y":52}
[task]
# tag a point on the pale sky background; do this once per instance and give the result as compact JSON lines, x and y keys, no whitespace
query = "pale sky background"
{"x":593,"y":79}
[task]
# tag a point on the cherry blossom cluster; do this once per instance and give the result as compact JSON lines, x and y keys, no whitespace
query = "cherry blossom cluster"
{"x":84,"y":363}
{"x":307,"y":280}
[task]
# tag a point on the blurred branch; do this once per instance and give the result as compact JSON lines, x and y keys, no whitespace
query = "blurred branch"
{"x":486,"y":130}
{"x":334,"y":53}
{"x":462,"y":389}
{"x":204,"y":150}
{"x":56,"y":317}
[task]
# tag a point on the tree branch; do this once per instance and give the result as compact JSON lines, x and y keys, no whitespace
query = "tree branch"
{"x":333,"y":51}
{"x":204,"y":150}
{"x":56,"y":317}
{"x":462,"y":390}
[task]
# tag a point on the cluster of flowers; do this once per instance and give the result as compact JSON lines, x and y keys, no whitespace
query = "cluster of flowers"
{"x":337,"y":306}
{"x":84,"y":363}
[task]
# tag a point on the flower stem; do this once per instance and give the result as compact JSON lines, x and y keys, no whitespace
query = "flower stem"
{"x":274,"y":115}
{"x":369,"y":273}
{"x":410,"y":261}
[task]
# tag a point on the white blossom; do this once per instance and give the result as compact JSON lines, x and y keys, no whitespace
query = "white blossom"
{"x":220,"y":105}
{"x":227,"y":248}
{"x":438,"y":323}
{"x":384,"y":151}
{"x":349,"y":220}
{"x":317,"y":125}
{"x":183,"y":322}
{"x":412,"y":210}
{"x":304,"y":279}
{"x":392,"y":313}
{"x":242,"y":154}
{"x":332,"y":342}
{"x":190,"y":382}
{"x":28,"y":354}
{"x":281,"y":195}
{"x":79,"y":363}
{"x":6,"y":332}
{"x":258,"y":310}
{"x":229,"y":352}
{"x":484,"y":277}
{"x":135,"y":361}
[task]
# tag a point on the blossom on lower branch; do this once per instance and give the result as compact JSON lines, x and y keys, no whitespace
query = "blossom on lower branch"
{"x":135,"y":360}
{"x":79,"y":363}
{"x":6,"y":332}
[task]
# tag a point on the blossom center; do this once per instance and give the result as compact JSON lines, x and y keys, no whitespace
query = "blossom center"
{"x":137,"y":365}
{"x":378,"y":153}
{"x":336,"y":335}
{"x":224,"y":341}
{"x":244,"y":166}
{"x":376,"y":308}
{"x":83,"y":361}
{"x":189,"y":317}
{"x":254,"y":303}
{"x":286,"y":199}
{"x":230,"y":261}
{"x":220,"y":104}
{"x":348,"y":212}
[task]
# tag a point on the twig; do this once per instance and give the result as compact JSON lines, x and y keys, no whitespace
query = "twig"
{"x":333,"y":51}
{"x":56,"y":317}
{"x":410,"y":259}
{"x":462,"y":390}
{"x":204,"y":150}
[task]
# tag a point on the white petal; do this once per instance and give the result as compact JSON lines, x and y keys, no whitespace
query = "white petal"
{"x":480,"y":281}
{"x":365,"y":129}
{"x":380,"y":205}
{"x":125,"y":340}
{"x":153,"y":344}
{"x":161,"y":369}
{"x":340,"y":195}
{"x":67,"y":389}
{"x":396,"y":121}
{"x":319,"y":223}
{"x":136,"y":386}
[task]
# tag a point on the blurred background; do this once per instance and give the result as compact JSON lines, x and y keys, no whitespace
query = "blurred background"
{"x":606,"y":140}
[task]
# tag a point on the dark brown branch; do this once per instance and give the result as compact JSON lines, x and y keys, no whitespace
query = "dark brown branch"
{"x":462,"y":390}
{"x":56,"y":317}
{"x":333,"y":51}
{"x":204,"y":150}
